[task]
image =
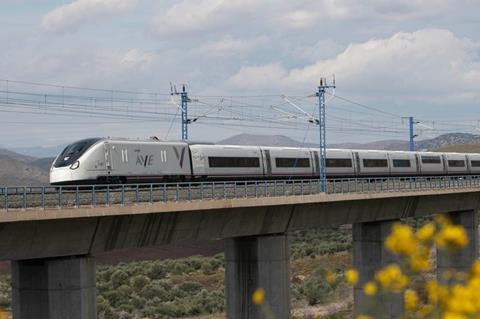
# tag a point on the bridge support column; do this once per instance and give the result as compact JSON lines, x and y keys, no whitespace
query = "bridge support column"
{"x":54,"y":288}
{"x":257,"y":262}
{"x":463,"y":259}
{"x":369,"y":255}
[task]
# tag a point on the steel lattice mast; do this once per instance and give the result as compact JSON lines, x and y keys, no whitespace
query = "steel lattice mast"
{"x":321,"y":124}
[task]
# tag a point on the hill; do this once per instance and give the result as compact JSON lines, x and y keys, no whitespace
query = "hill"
{"x":465,"y":148}
{"x":19,"y":170}
{"x":394,"y":145}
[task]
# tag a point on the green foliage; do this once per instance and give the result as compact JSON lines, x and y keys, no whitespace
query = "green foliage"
{"x":320,"y":242}
{"x":316,"y":289}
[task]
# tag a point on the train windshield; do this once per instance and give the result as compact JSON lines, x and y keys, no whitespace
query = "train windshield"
{"x":72,"y":152}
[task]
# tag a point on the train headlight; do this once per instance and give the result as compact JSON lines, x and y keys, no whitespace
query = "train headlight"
{"x":75,"y":165}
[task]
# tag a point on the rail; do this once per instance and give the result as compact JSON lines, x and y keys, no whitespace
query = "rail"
{"x":50,"y":197}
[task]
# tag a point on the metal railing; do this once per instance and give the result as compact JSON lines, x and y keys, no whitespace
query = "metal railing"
{"x":60,"y":197}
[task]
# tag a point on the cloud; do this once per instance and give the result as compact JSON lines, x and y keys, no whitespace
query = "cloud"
{"x":199,"y":16}
{"x":230,"y":46}
{"x":425,"y":62}
{"x":71,"y":16}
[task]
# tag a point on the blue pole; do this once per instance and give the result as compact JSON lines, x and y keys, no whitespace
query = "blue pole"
{"x":412,"y":143}
{"x":184,"y":96}
{"x":321,"y":125}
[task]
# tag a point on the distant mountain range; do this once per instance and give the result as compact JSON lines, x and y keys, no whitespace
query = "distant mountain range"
{"x":393,"y":145}
{"x":31,"y":168}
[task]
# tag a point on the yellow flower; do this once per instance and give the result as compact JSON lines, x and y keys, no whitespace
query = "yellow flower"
{"x":453,"y":315}
{"x":258,"y":296}
{"x":475,"y":269}
{"x":401,"y":241}
{"x":363,"y":317}
{"x":426,"y":310}
{"x":435,"y":292}
{"x":420,"y":263}
{"x":426,"y":232}
{"x":411,"y":300}
{"x":351,"y":276}
{"x":331,"y":277}
{"x":452,"y":237}
{"x":442,"y":219}
{"x":370,"y":288}
{"x":392,"y":279}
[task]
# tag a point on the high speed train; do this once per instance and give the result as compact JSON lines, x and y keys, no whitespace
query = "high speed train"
{"x":108,"y":160}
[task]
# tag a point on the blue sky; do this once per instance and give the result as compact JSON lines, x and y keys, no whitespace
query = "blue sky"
{"x":417,"y":57}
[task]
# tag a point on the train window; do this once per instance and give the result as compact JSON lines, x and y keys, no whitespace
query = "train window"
{"x":401,"y":163}
{"x":368,"y":162}
{"x":475,"y":163}
{"x":292,"y":162}
{"x":431,"y":160}
{"x":216,"y":161}
{"x":338,"y":162}
{"x":456,"y":163}
{"x":72,"y":152}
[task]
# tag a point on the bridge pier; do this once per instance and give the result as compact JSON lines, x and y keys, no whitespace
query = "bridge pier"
{"x":257,"y":262}
{"x":369,"y":255}
{"x":462,"y":259}
{"x":54,"y":288}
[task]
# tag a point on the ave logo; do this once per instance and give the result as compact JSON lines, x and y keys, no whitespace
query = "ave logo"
{"x":144,"y":161}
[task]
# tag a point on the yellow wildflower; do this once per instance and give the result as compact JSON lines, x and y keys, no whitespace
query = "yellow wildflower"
{"x":392,"y":279}
{"x":401,"y":241}
{"x":351,"y":276}
{"x":331,"y":277}
{"x":411,"y":300}
{"x":426,"y":310}
{"x":370,"y":288}
{"x":442,"y":219}
{"x":420,"y":263}
{"x":258,"y":296}
{"x":452,"y":237}
{"x":453,"y":315}
{"x":475,"y":269}
{"x":435,"y":292}
{"x":426,"y":232}
{"x":364,"y":317}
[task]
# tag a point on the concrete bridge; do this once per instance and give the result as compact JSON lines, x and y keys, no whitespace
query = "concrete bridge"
{"x":53,"y":249}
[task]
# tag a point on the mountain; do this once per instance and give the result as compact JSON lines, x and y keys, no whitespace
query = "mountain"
{"x":267,"y":140}
{"x":39,"y":151}
{"x":394,"y":145}
{"x":20,"y":170}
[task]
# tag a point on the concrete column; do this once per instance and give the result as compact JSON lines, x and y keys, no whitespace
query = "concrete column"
{"x":257,"y":262}
{"x":369,"y":255}
{"x":462,"y":259}
{"x":54,"y":288}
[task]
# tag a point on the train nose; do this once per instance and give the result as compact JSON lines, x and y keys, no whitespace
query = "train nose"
{"x":60,"y":175}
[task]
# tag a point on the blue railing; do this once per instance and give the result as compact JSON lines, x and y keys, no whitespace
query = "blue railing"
{"x":50,"y":197}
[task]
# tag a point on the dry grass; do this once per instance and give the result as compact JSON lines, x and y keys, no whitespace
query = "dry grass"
{"x":461,"y":148}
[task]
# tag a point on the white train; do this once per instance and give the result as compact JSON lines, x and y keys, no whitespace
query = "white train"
{"x":104,"y":160}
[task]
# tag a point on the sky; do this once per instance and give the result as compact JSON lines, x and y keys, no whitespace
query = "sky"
{"x":416,"y":58}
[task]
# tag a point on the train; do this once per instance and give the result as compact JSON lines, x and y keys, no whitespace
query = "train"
{"x":119,"y":161}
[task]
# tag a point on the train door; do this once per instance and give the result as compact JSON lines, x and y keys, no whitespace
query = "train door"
{"x":317,"y":164}
{"x":268,"y":163}
{"x":417,"y":162}
{"x":357,"y":163}
{"x":108,"y":157}
{"x":314,"y":163}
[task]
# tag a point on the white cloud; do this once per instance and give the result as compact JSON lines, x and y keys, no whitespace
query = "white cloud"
{"x":137,"y":57}
{"x":425,"y":62}
{"x":228,"y":46}
{"x":198,"y":16}
{"x":70,"y":16}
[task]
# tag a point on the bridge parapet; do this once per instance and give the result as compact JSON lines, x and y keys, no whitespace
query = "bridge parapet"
{"x":61,"y":197}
